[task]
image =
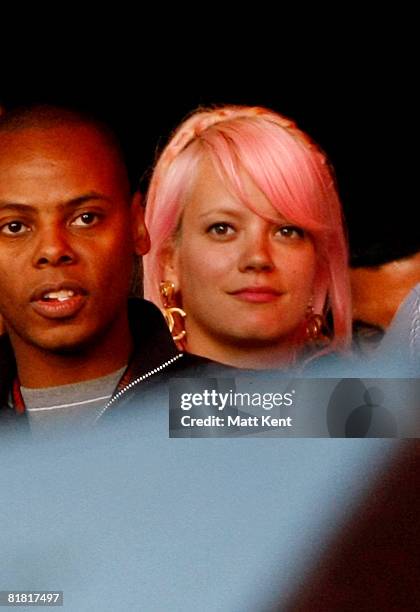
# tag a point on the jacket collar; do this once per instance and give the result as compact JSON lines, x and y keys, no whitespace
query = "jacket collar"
{"x":7,"y":369}
{"x":153,"y":344}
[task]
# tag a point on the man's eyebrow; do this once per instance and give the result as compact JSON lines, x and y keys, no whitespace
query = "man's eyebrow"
{"x":25,"y":208}
{"x":4,"y":205}
{"x":86,"y":197}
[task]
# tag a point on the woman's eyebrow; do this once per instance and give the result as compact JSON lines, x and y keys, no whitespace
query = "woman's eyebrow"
{"x":220,"y":211}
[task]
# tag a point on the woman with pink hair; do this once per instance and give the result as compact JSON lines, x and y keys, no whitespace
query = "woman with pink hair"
{"x":248,"y":257}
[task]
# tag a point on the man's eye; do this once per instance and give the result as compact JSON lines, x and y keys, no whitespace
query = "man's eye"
{"x":220,"y":229}
{"x":85,"y":219}
{"x":14,"y":228}
{"x":291,"y":231}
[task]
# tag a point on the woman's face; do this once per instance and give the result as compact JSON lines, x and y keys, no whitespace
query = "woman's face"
{"x":243,"y":280}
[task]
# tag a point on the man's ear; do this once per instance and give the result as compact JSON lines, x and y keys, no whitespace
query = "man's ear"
{"x":140,"y":233}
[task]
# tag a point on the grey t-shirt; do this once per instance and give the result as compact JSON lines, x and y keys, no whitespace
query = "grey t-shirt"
{"x":74,"y":405}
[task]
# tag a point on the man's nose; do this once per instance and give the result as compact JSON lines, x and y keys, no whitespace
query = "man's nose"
{"x":53,"y":248}
{"x":256,"y":253}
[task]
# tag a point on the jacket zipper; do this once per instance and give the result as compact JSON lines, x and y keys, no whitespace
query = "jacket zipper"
{"x":136,"y":381}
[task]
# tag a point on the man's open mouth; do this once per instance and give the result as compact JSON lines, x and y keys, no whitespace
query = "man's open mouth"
{"x":61,"y":296}
{"x":61,"y":301}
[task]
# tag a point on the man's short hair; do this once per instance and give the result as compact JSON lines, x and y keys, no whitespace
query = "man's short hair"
{"x":44,"y":116}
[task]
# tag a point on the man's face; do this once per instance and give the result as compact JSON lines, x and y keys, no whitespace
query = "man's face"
{"x":67,"y":236}
{"x":377,"y":293}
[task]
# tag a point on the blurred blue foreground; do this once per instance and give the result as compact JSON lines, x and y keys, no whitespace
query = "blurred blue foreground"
{"x":128,"y":519}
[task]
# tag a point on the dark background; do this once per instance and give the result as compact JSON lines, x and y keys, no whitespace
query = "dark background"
{"x":355,"y":105}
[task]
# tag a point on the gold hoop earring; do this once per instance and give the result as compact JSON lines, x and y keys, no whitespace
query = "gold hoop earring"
{"x":316,"y":330}
{"x":314,"y":325}
{"x":167,"y":290}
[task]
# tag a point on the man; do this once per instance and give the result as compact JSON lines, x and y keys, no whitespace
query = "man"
{"x":382,"y":275}
{"x":69,"y":229}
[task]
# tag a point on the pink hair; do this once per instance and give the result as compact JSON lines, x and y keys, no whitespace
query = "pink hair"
{"x":289,"y":169}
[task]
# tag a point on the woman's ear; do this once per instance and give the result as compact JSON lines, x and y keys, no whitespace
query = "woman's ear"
{"x":170,"y":263}
{"x":140,"y":234}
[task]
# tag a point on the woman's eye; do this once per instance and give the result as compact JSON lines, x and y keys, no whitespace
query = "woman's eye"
{"x":220,"y":229}
{"x":87,"y":218}
{"x":291,"y":231}
{"x":14,"y":228}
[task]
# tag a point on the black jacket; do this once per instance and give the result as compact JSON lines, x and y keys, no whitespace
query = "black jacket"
{"x":154,"y":361}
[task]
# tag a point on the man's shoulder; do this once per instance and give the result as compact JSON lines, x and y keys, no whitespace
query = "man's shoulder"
{"x":149,"y":392}
{"x":195,"y":365}
{"x":156,"y":352}
{"x":7,"y":372}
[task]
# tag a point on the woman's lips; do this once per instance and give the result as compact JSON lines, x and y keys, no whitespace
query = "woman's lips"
{"x":257,"y":295}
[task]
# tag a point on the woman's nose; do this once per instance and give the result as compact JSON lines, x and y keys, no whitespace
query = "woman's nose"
{"x":256,"y":253}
